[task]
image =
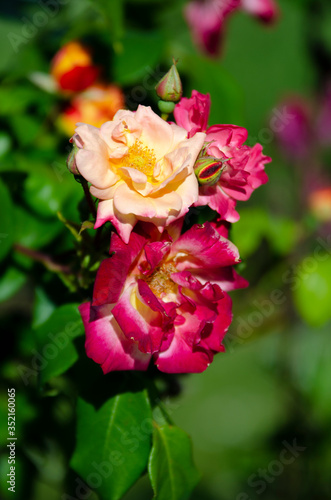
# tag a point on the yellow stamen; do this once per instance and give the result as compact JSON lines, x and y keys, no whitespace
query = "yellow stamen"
{"x":140,"y":157}
{"x":160,"y":282}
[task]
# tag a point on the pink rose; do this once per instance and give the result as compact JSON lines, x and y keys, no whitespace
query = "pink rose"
{"x":193,"y":113}
{"x":244,"y":166}
{"x":206,"y":18}
{"x":162,"y":297}
{"x":140,"y":168}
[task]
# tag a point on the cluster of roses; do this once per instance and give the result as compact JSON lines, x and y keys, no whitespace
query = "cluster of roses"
{"x":163,"y":292}
{"x":74,"y":75}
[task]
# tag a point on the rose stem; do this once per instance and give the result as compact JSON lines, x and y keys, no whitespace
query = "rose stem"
{"x":44,"y":259}
{"x":88,"y":198}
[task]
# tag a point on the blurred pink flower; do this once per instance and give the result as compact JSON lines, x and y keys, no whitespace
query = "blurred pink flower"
{"x":306,"y":132}
{"x":303,"y":139}
{"x":162,"y":297}
{"x":295,"y":135}
{"x":206,"y":18}
{"x":323,"y":125}
{"x":244,"y":166}
{"x":266,"y":10}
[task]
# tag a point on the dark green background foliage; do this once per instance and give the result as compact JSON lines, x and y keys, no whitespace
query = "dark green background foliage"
{"x":266,"y":398}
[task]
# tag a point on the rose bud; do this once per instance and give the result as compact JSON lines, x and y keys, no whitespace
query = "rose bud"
{"x":208,"y":170}
{"x":71,"y":160}
{"x":170,"y":88}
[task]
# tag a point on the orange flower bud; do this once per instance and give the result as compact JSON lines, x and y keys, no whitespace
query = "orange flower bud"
{"x":95,"y":106}
{"x":72,"y":68}
{"x":319,"y":202}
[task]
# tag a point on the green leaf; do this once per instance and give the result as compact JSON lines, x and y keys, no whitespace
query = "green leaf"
{"x":18,"y":52}
{"x":171,"y":468}
{"x":8,"y":30}
{"x":45,"y":193}
{"x":87,"y":224}
{"x":247,"y":236}
{"x":312,"y":288}
{"x":6,"y":221}
{"x":33,"y":232}
{"x":5,"y":143}
{"x":15,"y":99}
{"x":72,"y":226}
{"x":282,"y":234}
{"x":113,"y":443}
{"x":11,"y":281}
{"x":6,"y":53}
{"x":311,"y":369}
{"x":43,"y":307}
{"x":26,"y":128}
{"x":140,"y":51}
{"x":56,"y":351}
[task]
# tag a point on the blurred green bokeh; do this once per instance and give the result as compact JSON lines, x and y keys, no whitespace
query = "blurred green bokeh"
{"x":271,"y":388}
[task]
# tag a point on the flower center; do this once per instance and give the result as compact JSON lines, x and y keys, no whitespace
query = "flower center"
{"x":140,"y":157}
{"x":160,"y":282}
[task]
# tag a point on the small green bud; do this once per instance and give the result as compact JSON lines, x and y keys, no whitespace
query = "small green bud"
{"x":71,"y":160}
{"x":170,"y":87}
{"x":166,"y":107}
